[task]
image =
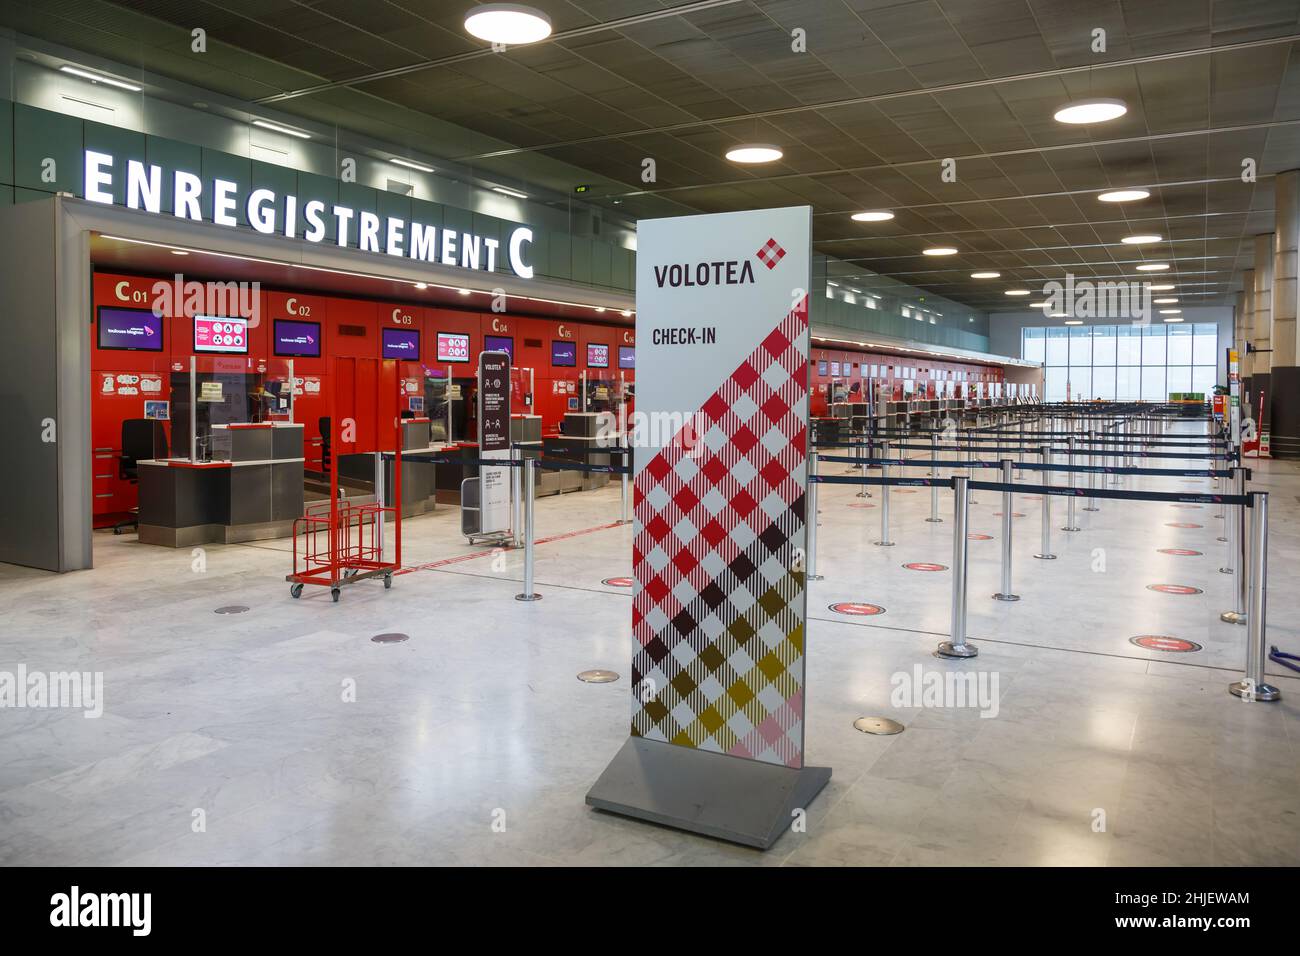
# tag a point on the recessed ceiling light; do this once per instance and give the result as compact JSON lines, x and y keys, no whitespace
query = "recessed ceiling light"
{"x":1174,"y":319}
{"x":512,"y":193}
{"x":276,"y":128}
{"x":1068,"y":321}
{"x":1166,"y":301}
{"x":1017,"y":292}
{"x":1153,"y":267}
{"x":600,"y":308}
{"x":1091,"y":111}
{"x":627,"y":313}
{"x":1163,"y":287}
{"x":422,"y":285}
{"x":1123,"y":195}
{"x":99,"y":78}
{"x":985,"y":275}
{"x":940,"y":251}
{"x":872,"y":215}
{"x":1140,"y":239}
{"x":463,"y":291}
{"x":1171,"y":311}
{"x":508,"y":23}
{"x":1038,"y":305}
{"x":179,"y":252}
{"x":754,"y":153}
{"x":398,"y":161}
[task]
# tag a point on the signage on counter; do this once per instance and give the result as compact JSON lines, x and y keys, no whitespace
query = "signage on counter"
{"x":270,"y":213}
{"x":494,"y":440}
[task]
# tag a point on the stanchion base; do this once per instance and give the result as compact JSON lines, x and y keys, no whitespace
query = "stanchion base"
{"x":949,"y":649}
{"x":1224,"y":540}
{"x":883,"y":544}
{"x":1045,"y":557}
{"x":863,"y":494}
{"x":1232,"y":617}
{"x":1226,"y":571}
{"x":813,"y":577}
{"x":1006,"y":597}
{"x":1091,"y":509}
{"x":528,"y":597}
{"x":1071,"y":529}
{"x":934,"y":520}
{"x":1262,"y":692}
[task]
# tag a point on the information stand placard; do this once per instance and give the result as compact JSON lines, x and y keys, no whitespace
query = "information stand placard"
{"x":719,"y":605}
{"x":494,"y":441}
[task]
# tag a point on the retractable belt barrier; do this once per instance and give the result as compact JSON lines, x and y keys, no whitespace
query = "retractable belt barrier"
{"x":1032,"y":446}
{"x":553,"y":464}
{"x":1032,"y":466}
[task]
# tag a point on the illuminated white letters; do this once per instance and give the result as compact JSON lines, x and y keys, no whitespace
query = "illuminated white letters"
{"x":517,"y":239}
{"x":97,"y":176}
{"x":259,"y":216}
{"x":141,"y":189}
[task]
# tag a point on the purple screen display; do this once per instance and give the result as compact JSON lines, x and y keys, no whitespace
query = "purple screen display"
{"x":401,"y":344}
{"x":627,"y":356}
{"x":564,"y":354}
{"x":499,"y":343}
{"x":134,"y":329}
{"x":299,"y":339}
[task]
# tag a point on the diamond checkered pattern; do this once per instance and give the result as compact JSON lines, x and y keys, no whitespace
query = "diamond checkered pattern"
{"x":718,"y":611}
{"x":770,"y":254}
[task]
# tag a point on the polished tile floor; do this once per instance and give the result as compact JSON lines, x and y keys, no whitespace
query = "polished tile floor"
{"x":283,"y":735}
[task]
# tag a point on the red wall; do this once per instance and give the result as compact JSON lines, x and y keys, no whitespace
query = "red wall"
{"x":532,"y":345}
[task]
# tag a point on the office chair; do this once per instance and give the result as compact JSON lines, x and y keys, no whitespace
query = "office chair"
{"x":142,"y":439}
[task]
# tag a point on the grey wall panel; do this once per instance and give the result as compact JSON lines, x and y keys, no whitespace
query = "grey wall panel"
{"x":29,"y":479}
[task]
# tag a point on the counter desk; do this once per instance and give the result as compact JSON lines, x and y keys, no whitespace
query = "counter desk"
{"x":250,"y":491}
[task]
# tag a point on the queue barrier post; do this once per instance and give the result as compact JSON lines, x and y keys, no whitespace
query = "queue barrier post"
{"x":625,"y":488}
{"x":1069,"y":507}
{"x":1045,"y":543}
{"x":1235,"y":517}
{"x":862,"y":492}
{"x":884,"y":541}
{"x":517,"y":501}
{"x":812,"y":574}
{"x":970,"y":461}
{"x":957,"y":645}
{"x":1253,"y":686}
{"x":934,"y":487}
{"x":530,"y":491}
{"x":1005,"y":594}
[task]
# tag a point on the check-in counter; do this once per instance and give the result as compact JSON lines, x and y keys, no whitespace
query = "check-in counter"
{"x":250,"y":491}
{"x":419,"y":478}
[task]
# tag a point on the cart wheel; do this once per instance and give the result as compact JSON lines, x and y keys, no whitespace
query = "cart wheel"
{"x":334,"y":593}
{"x":295,"y":591}
{"x":388,"y":581}
{"x":117,"y":531}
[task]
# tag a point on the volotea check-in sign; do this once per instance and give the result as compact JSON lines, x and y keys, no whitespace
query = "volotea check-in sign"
{"x":494,"y":440}
{"x":720,"y":442}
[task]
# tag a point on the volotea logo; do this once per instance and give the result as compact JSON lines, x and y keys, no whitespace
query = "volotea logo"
{"x":770,"y":254}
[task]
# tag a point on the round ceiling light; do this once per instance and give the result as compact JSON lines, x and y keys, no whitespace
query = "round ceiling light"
{"x":985,"y":275}
{"x":509,"y":23}
{"x":1017,"y":292}
{"x":1091,"y":111}
{"x":755,"y":153}
{"x":1153,"y":267}
{"x":1141,"y":239}
{"x":1123,"y":195}
{"x":940,"y":251}
{"x":872,"y":215}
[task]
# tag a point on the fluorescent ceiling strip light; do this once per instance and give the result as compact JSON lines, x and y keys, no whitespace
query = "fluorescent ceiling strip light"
{"x":99,"y":78}
{"x":275,"y":128}
{"x":397,"y":161}
{"x":512,"y":193}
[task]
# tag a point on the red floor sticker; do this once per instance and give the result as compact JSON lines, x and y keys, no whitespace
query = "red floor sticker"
{"x":1014,"y":514}
{"x":925,"y":566}
{"x":1181,"y":552}
{"x":904,"y":491}
{"x":618,"y":582}
{"x":861,"y":504}
{"x":1182,"y":524}
{"x":1174,"y":589}
{"x":856,"y":610}
{"x":1163,"y":642}
{"x":973,"y":536}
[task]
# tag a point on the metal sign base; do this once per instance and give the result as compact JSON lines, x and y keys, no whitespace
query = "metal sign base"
{"x":741,"y":801}
{"x":1006,"y":597}
{"x":528,"y":597}
{"x":1045,"y":557}
{"x":883,"y":544}
{"x":949,"y":649}
{"x":1263,"y":692}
